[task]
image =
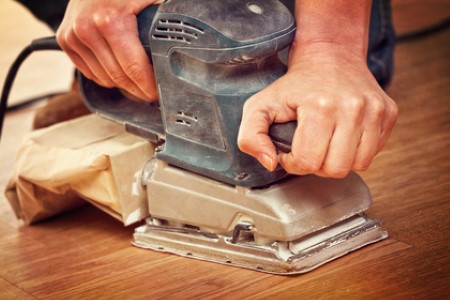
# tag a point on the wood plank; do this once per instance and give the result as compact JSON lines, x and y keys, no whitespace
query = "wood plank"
{"x":87,"y":254}
{"x":412,"y":15}
{"x":9,"y":291}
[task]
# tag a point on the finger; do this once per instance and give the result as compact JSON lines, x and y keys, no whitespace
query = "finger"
{"x":81,"y":66}
{"x":74,"y":57}
{"x":367,"y":149}
{"x":310,"y":142}
{"x":253,"y":138}
{"x":107,"y":61}
{"x":370,"y":138}
{"x":85,"y":59}
{"x":390,"y":117}
{"x":343,"y":144}
{"x":123,"y":41}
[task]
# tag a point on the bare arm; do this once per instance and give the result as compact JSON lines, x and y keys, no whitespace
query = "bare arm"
{"x":344,"y":117}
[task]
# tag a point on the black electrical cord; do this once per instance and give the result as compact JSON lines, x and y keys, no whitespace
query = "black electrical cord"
{"x":30,"y":101}
{"x":423,"y":32}
{"x":48,"y":43}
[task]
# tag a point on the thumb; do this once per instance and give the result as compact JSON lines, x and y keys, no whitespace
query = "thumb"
{"x":254,"y":140}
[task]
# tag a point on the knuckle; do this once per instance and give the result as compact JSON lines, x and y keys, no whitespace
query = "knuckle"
{"x":393,"y":110}
{"x":325,"y":105}
{"x":378,"y":105}
{"x":105,"y":20}
{"x":246,"y":108}
{"x":354,"y":104}
{"x":390,"y":117}
{"x":354,"y":107}
{"x":82,"y":29}
{"x":134,"y":70}
{"x":69,"y":39}
{"x":310,"y":167}
{"x":375,"y":96}
{"x":253,"y":113}
{"x":336,"y":172}
{"x":119,"y":78}
{"x":361,"y":168}
{"x":249,"y":102}
{"x":306,"y":165}
{"x":252,"y":102}
{"x":244,"y":144}
{"x":61,"y":39}
{"x":377,"y":111}
{"x":252,"y":140}
{"x":362,"y":165}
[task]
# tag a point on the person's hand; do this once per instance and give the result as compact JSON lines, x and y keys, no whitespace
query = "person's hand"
{"x":101,"y":38}
{"x":344,"y":117}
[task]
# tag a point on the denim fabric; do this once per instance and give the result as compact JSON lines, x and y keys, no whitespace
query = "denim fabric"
{"x":50,"y":12}
{"x":381,"y":42}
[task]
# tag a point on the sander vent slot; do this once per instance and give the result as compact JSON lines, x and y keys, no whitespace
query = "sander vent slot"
{"x":173,"y":29}
{"x":184,"y":118}
{"x":241,"y":60}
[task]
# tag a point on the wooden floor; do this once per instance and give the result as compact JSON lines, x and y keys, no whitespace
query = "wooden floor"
{"x":86,"y":254}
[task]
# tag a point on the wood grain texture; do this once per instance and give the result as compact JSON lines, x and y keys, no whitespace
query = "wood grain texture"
{"x":85,"y":254}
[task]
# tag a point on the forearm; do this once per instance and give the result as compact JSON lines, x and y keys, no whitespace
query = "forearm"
{"x":337,"y":25}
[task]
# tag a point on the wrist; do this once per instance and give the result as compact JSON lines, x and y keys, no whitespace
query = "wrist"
{"x":328,"y":52}
{"x":331,"y":25}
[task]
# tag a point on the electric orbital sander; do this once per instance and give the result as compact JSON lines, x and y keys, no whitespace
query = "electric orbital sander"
{"x":206,"y":198}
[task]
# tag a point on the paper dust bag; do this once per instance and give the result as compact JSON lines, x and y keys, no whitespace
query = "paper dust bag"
{"x":87,"y":158}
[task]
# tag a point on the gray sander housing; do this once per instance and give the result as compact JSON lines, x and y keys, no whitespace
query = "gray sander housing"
{"x":209,"y":57}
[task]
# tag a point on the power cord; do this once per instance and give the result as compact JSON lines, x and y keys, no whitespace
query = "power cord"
{"x":30,"y":101}
{"x":47,"y":43}
{"x":423,"y":32}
